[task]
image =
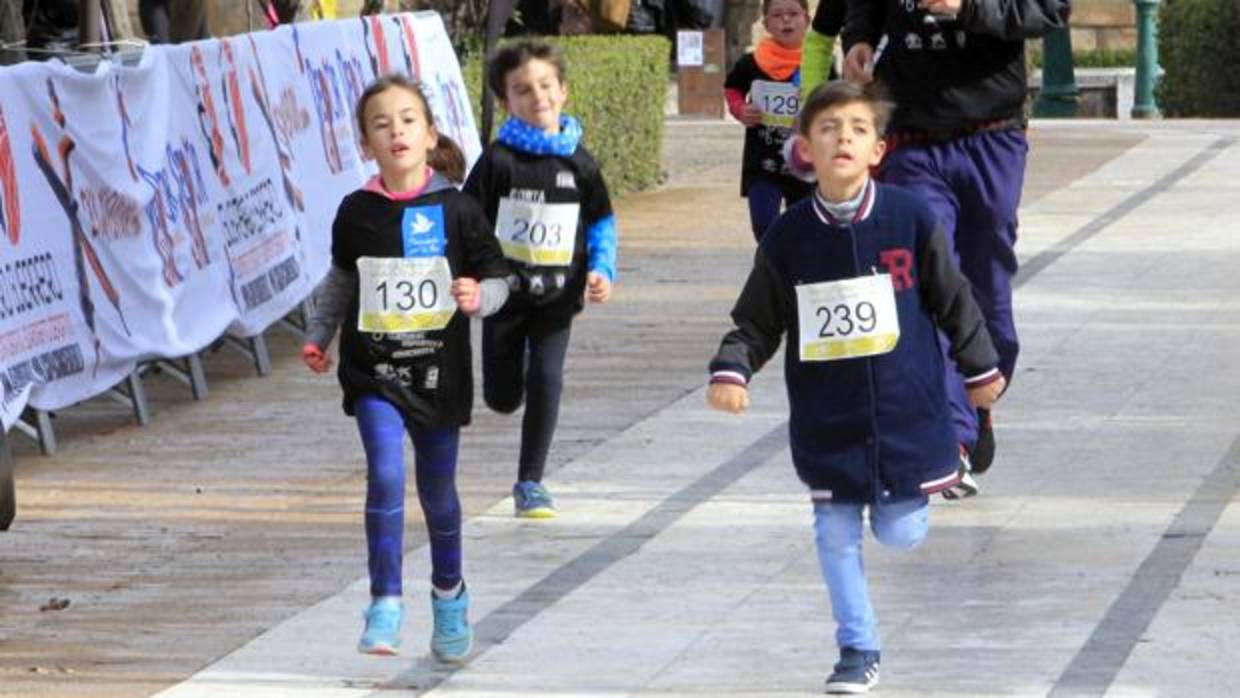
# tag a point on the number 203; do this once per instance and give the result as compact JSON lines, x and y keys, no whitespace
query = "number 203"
{"x":536,"y":233}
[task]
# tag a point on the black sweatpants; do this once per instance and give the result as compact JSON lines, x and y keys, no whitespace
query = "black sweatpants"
{"x":523,"y":357}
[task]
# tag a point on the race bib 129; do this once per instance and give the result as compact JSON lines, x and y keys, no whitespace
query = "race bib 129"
{"x":779,"y":102}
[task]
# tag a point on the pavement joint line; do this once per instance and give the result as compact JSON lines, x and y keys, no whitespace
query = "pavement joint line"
{"x":758,"y":590}
{"x":1100,"y":659}
{"x":498,"y":625}
{"x":1039,"y":262}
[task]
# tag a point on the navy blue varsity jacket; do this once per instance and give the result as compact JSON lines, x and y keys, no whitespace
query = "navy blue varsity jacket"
{"x":872,"y":427}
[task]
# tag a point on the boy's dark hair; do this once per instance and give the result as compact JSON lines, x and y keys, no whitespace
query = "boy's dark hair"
{"x":766,"y":5}
{"x":446,"y":158}
{"x":513,"y":56}
{"x":840,"y":92}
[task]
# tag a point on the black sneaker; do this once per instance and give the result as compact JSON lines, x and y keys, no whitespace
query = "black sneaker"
{"x":856,"y":672}
{"x":984,"y":452}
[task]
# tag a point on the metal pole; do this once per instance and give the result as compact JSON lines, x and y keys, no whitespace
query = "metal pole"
{"x":1059,"y":96}
{"x":498,"y":12}
{"x":88,"y":24}
{"x":1143,"y":105}
{"x":8,"y":491}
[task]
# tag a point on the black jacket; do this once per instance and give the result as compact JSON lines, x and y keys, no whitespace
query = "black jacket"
{"x":871,"y":427}
{"x":950,"y":74}
{"x":427,"y":374}
{"x":506,"y":171}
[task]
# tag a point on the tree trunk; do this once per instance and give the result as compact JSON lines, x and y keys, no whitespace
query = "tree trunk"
{"x":189,"y":21}
{"x":116,"y":13}
{"x":89,"y":27}
{"x":12,"y":30}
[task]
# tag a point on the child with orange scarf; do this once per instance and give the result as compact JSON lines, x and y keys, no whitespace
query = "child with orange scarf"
{"x":763,"y":93}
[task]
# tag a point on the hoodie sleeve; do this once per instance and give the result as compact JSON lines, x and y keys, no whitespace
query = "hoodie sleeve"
{"x":329,"y":305}
{"x":482,"y":254}
{"x":949,"y":297}
{"x":759,"y":317}
{"x":1014,"y":19}
{"x":863,"y":22}
{"x":816,"y":57}
{"x":602,"y":236}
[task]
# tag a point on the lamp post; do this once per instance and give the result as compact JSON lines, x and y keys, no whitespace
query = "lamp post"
{"x":1143,"y":106}
{"x":1059,"y":95}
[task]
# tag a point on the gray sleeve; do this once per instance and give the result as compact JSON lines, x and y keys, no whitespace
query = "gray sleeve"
{"x":330,"y":301}
{"x":493,"y":294}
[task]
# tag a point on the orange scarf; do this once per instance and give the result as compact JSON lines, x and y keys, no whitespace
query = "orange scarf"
{"x":775,"y":60}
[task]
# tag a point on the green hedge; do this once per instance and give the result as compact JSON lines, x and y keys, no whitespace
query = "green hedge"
{"x":1197,"y":49}
{"x":1096,"y":58}
{"x":617,"y":86}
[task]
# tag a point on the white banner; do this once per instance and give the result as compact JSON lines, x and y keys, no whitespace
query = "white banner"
{"x":146,"y":210}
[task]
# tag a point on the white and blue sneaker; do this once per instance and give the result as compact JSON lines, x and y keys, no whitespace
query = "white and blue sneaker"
{"x":965,"y":486}
{"x":453,"y":637}
{"x":856,"y":672}
{"x":530,"y":500}
{"x":382,"y":634}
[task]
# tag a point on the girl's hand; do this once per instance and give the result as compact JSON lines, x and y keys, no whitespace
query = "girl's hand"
{"x":598,"y":287}
{"x":728,"y":397}
{"x":468,"y":294}
{"x":751,"y":116}
{"x":315,"y":358}
{"x":858,"y":66}
{"x":984,"y":396}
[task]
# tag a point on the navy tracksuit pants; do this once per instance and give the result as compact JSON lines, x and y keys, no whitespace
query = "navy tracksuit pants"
{"x":973,"y":184}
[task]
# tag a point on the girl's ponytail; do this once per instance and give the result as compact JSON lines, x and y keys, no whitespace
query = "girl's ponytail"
{"x":447,"y":159}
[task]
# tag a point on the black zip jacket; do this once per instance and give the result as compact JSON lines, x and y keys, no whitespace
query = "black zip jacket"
{"x":953,"y":74}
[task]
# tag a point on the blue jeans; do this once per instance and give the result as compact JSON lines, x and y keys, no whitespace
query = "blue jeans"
{"x":838,"y":529}
{"x":383,"y":436}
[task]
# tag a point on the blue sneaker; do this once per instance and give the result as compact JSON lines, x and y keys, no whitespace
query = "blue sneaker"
{"x":453,"y":637}
{"x":382,"y":634}
{"x":531,"y":500}
{"x":856,"y":672}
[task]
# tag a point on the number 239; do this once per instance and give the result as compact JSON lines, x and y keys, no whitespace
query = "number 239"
{"x":843,"y":320}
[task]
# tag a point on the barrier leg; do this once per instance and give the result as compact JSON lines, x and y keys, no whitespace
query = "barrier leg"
{"x":188,"y":370}
{"x":40,"y":430}
{"x":131,"y":392}
{"x":255,"y":348}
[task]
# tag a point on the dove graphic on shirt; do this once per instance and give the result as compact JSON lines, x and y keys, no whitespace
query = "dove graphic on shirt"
{"x":423,"y":231}
{"x":422,"y":224}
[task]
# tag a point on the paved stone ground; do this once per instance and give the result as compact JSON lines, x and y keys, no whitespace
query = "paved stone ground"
{"x":179,"y":542}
